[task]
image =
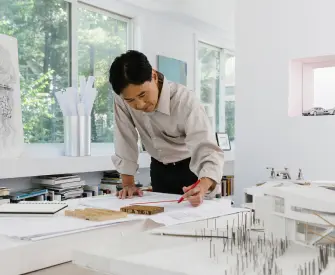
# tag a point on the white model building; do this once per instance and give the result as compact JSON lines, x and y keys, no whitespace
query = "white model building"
{"x":279,"y":178}
{"x":304,"y":214}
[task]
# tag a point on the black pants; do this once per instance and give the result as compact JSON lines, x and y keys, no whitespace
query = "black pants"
{"x":170,"y":178}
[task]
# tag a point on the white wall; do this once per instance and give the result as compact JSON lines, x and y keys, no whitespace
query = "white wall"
{"x":269,"y":33}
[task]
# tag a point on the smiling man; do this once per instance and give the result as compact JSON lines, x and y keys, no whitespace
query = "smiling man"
{"x":174,"y":129}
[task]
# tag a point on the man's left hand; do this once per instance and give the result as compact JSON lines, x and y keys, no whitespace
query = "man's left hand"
{"x":196,"y":195}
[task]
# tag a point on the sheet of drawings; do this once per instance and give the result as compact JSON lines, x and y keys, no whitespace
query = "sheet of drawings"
{"x":174,"y":213}
{"x":11,"y":128}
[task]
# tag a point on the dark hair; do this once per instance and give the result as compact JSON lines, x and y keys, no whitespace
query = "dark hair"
{"x":131,"y":67}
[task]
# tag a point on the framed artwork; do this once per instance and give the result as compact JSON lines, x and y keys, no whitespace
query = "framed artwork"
{"x":223,"y":141}
{"x":11,"y":128}
{"x":173,"y":69}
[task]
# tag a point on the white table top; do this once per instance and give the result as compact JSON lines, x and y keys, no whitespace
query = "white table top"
{"x":20,"y":257}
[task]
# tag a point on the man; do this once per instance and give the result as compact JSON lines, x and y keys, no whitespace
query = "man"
{"x":173,"y":127}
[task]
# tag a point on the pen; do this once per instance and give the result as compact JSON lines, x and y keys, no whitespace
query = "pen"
{"x":192,"y":187}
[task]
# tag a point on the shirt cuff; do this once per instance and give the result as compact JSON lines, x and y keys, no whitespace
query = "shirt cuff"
{"x":125,"y":167}
{"x":211,"y":195}
{"x":211,"y":173}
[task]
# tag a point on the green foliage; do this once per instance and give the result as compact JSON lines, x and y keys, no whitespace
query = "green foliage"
{"x":230,"y":119}
{"x":210,"y":77}
{"x":36,"y":114}
{"x":42,"y":29}
{"x":210,"y":72}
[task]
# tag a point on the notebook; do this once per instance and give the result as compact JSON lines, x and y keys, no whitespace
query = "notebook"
{"x":34,"y":208}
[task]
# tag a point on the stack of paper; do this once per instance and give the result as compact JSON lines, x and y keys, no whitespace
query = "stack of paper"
{"x":66,"y":186}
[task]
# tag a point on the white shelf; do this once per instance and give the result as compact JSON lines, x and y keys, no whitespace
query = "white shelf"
{"x":48,"y":159}
{"x":30,"y":167}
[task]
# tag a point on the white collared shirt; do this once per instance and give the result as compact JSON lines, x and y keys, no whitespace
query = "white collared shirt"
{"x":177,"y":130}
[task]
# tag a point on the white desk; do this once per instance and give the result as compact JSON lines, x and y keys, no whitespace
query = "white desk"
{"x":20,"y":257}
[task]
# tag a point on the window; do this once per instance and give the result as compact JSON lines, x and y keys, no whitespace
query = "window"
{"x":47,"y":62}
{"x":229,"y":97}
{"x":216,"y":73}
{"x":209,"y":66}
{"x":324,"y":87}
{"x":309,"y":232}
{"x":41,"y":28}
{"x":101,"y":38}
{"x":279,"y":205}
{"x":312,"y":87}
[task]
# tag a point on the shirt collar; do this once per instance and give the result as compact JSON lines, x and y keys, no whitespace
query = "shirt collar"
{"x":164,"y":99}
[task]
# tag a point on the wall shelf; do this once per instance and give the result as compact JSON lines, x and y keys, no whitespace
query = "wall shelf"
{"x":30,"y":167}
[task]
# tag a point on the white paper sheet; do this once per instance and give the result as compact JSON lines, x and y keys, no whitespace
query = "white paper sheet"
{"x":37,"y":228}
{"x":34,"y":227}
{"x":114,"y":203}
{"x":174,"y":213}
{"x":206,"y":211}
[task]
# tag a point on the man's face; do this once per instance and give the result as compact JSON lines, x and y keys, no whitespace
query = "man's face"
{"x":142,"y":97}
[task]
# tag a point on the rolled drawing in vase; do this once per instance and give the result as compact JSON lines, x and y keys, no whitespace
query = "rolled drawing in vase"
{"x":11,"y":129}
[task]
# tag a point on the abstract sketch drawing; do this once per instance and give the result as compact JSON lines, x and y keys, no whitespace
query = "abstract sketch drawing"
{"x":11,"y":130}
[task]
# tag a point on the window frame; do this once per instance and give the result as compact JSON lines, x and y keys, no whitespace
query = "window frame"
{"x":301,"y":82}
{"x":97,"y":149}
{"x":197,"y":80}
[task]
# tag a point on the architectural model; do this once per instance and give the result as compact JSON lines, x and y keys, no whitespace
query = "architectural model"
{"x":216,"y":247}
{"x":304,"y":214}
{"x":279,"y":178}
{"x":290,"y":231}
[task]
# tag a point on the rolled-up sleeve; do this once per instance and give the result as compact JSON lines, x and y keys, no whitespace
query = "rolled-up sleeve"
{"x":125,"y":140}
{"x":207,"y":158}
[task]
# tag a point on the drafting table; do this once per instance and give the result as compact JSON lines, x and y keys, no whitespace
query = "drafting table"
{"x":20,"y":257}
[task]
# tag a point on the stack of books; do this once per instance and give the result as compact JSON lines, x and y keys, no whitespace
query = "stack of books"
{"x":227,"y":186}
{"x":111,"y":182}
{"x":4,"y":195}
{"x":31,"y":194}
{"x":61,"y":187}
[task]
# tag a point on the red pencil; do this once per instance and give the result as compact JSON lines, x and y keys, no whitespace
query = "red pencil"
{"x":192,"y":187}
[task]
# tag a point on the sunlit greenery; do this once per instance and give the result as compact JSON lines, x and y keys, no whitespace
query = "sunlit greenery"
{"x":42,"y":28}
{"x":211,"y":92}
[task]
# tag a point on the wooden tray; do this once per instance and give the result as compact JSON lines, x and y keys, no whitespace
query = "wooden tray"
{"x":95,"y":214}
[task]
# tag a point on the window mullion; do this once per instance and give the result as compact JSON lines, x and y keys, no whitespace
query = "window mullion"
{"x":74,"y":43}
{"x":222,"y":106}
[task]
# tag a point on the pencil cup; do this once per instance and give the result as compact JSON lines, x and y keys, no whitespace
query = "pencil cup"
{"x":77,"y":136}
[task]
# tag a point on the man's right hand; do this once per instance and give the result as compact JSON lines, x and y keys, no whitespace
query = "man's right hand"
{"x":128,"y":191}
{"x":129,"y":188}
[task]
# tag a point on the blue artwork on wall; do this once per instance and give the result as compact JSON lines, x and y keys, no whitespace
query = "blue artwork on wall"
{"x":173,"y":69}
